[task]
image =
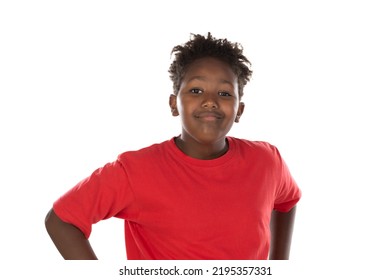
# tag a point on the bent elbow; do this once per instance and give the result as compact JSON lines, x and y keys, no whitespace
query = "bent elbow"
{"x":49,"y":219}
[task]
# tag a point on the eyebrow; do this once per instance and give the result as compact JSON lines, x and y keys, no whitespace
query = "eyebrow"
{"x":203,"y":78}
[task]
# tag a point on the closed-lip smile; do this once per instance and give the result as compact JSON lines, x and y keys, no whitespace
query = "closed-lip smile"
{"x":209,"y":115}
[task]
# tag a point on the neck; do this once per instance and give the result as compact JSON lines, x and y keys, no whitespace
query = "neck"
{"x":199,"y":150}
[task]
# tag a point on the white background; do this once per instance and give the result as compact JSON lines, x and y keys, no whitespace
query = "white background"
{"x":82,"y":81}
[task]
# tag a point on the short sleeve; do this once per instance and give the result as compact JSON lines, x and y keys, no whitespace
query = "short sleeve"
{"x":287,"y":192}
{"x":104,"y":194}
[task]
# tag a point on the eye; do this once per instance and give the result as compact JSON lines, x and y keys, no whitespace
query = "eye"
{"x":224,"y":94}
{"x":196,"y":91}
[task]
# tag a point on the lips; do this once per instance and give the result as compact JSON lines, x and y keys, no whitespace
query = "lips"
{"x":209,"y":115}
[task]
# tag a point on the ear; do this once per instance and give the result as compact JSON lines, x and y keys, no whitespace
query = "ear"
{"x":240,"y":111}
{"x":173,"y":105}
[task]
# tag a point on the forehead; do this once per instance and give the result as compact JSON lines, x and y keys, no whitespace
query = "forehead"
{"x":208,"y":66}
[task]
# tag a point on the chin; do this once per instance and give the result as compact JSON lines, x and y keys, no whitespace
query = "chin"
{"x":209,"y":138}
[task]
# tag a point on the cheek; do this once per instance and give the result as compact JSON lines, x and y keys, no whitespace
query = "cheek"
{"x":231,"y":109}
{"x":181,"y":108}
{"x":186,"y":105}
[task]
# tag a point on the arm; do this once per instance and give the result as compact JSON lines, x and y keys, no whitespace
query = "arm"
{"x":282,"y":225}
{"x":68,"y":239}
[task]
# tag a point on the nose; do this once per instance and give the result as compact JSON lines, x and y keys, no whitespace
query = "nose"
{"x":209,"y":101}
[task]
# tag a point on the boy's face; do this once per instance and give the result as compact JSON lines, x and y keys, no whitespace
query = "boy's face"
{"x":207,"y":101}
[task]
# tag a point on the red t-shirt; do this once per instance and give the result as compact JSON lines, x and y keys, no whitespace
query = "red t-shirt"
{"x":178,"y":207}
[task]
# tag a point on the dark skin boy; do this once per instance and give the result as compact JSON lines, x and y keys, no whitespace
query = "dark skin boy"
{"x":208,"y":104}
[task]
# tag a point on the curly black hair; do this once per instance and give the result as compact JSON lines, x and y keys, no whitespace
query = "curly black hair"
{"x":201,"y":46}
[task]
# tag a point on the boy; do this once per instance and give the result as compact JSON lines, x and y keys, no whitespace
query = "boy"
{"x":200,"y":195}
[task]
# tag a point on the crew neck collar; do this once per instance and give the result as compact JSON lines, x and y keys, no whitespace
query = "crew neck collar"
{"x":204,"y":162}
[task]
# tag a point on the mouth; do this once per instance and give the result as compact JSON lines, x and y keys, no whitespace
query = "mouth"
{"x":209,"y":115}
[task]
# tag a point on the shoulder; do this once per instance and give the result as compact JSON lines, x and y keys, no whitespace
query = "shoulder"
{"x":255,"y":147}
{"x":144,"y":154}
